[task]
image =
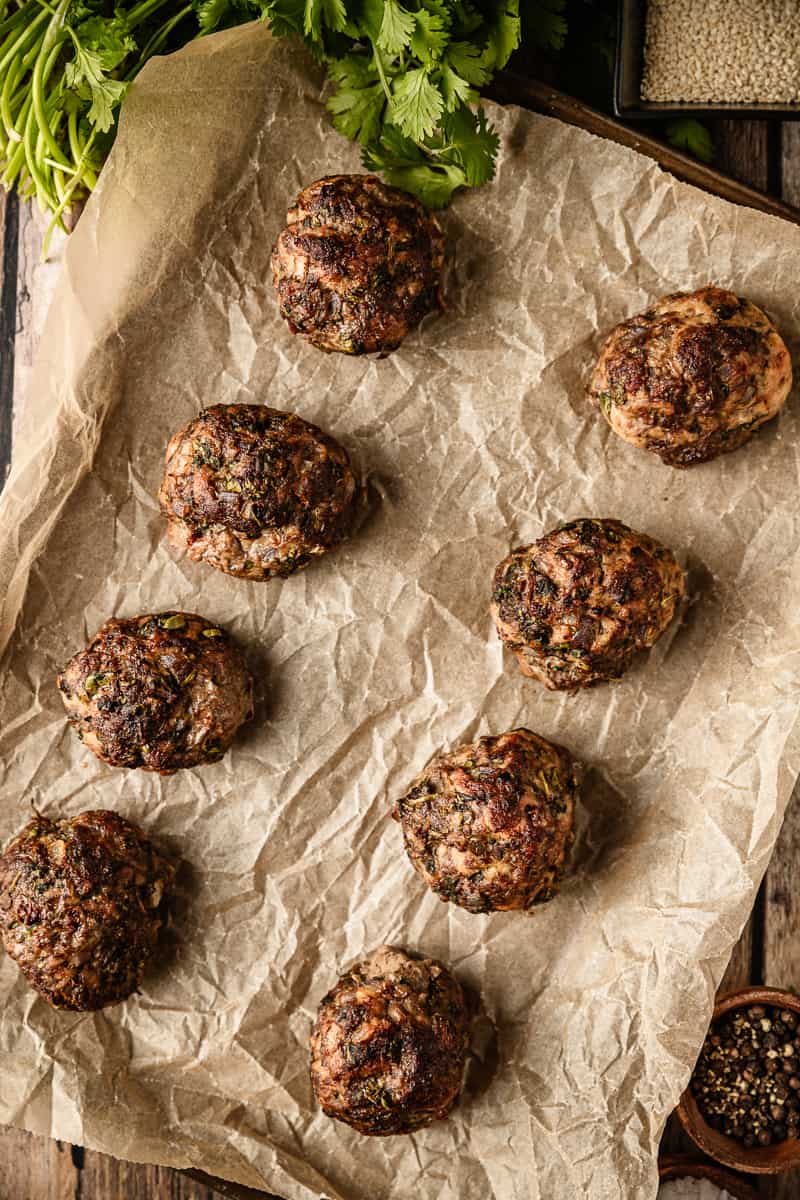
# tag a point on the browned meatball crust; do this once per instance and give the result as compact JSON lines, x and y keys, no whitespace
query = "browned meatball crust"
{"x":579,"y":603}
{"x":358,"y":265}
{"x":81,"y":905}
{"x":161,"y":691}
{"x":255,"y":492}
{"x":490,"y":825}
{"x":693,"y":376}
{"x":389,"y":1044}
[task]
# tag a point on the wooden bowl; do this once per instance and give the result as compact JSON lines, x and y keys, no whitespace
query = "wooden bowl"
{"x":680,"y":1166}
{"x":761,"y":1160}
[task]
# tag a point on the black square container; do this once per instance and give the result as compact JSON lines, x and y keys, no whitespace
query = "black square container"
{"x":628,"y":78}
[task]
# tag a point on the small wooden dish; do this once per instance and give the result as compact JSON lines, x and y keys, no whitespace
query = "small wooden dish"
{"x":680,"y":1166}
{"x":761,"y":1160}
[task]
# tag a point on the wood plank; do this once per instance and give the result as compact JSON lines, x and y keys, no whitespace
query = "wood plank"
{"x":790,"y":162}
{"x":742,"y":150}
{"x":37,"y":1168}
{"x":36,"y":281}
{"x":9,"y":212}
{"x":782,"y":934}
{"x":739,"y":973}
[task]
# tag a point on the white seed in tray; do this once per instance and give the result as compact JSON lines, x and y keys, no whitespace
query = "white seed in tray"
{"x":718,"y":51}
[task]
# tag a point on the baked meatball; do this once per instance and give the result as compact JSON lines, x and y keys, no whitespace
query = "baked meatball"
{"x":490,"y":825}
{"x":81,"y":905}
{"x":358,"y":265}
{"x":578,"y":604}
{"x":389,"y":1044}
{"x":693,"y":376}
{"x":255,"y":492}
{"x":160,"y":692}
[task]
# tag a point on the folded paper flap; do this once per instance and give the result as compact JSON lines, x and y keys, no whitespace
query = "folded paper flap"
{"x":476,"y":436}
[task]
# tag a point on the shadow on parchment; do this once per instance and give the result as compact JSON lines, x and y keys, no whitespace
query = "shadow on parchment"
{"x":176,"y":908}
{"x":604,"y":822}
{"x":266,"y":692}
{"x":483,"y":1056}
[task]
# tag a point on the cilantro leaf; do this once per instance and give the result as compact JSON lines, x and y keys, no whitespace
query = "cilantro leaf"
{"x":405,"y":166}
{"x":467,"y":61}
{"x":688,"y":134}
{"x":544,"y":23}
{"x":430,"y":36}
{"x":210,"y":13}
{"x":324,"y":12}
{"x":416,"y":104}
{"x":85,"y":74}
{"x":371,"y":18}
{"x":455,"y":89}
{"x":397,"y":26}
{"x":285,"y":17}
{"x":474,"y":143}
{"x":108,"y":38}
{"x":357,"y":106}
{"x":504,"y":34}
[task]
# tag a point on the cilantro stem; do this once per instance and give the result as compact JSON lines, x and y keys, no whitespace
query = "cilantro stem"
{"x":16,"y":19}
{"x":32,"y":161}
{"x":9,"y":86}
{"x":17,"y":159}
{"x":390,"y":98}
{"x":158,"y":39}
{"x":51,"y":48}
{"x":142,"y":11}
{"x":376,"y":57}
{"x":18,"y":41}
{"x":59,"y":211}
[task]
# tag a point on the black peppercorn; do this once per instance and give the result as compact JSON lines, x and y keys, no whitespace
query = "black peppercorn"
{"x":747,"y":1080}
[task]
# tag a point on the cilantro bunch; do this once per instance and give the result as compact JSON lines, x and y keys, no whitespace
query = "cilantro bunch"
{"x":405,"y":76}
{"x":405,"y":79}
{"x":65,"y":67}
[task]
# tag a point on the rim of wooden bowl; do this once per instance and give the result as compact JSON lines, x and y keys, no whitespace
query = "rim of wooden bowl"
{"x":761,"y":1160}
{"x":682,"y":1166}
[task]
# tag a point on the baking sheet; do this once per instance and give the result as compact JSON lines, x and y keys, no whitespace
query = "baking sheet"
{"x":474,"y":437}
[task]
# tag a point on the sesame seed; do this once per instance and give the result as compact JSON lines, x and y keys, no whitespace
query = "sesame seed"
{"x":722,"y":51}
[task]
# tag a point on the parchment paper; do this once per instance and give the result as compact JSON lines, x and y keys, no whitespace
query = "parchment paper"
{"x":476,"y":436}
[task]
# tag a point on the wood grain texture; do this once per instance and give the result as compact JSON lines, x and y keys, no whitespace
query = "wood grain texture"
{"x":742,"y":151}
{"x":781,"y":948}
{"x":9,"y":216}
{"x":36,"y":1168}
{"x":790,"y":162}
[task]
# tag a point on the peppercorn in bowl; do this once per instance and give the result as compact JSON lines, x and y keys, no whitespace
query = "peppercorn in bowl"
{"x":742,"y":1105}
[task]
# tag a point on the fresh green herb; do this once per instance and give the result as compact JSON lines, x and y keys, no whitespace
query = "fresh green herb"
{"x":405,"y":80}
{"x":405,"y":77}
{"x":544,"y":20}
{"x":689,"y":134}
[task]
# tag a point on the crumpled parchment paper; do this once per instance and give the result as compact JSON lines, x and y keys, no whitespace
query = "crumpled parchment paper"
{"x":475,"y":436}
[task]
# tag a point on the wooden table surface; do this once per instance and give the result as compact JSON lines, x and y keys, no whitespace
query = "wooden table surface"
{"x":765,"y":155}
